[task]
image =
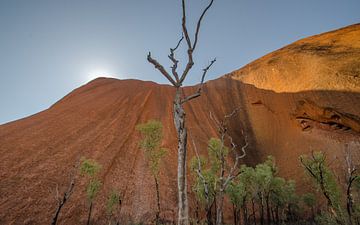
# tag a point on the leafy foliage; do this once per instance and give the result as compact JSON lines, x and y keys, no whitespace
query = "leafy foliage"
{"x":112,"y":201}
{"x":91,"y":168}
{"x":92,"y":189}
{"x":309,"y":200}
{"x":324,"y":179}
{"x":151,"y":144}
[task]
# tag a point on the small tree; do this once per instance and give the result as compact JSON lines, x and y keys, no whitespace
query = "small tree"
{"x":316,"y":167}
{"x":151,"y":145}
{"x":218,"y":164}
{"x":310,"y":201}
{"x":113,"y":202}
{"x":351,"y":177}
{"x":237,"y":193}
{"x":204,"y":185}
{"x":91,"y":168}
{"x":65,"y":197}
{"x":264,"y":175}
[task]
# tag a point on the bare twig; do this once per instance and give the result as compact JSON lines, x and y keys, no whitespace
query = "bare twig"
{"x":191,"y":47}
{"x":62,"y":200}
{"x":199,"y":23}
{"x":174,"y":60}
{"x":162,"y":70}
{"x":198,"y":92}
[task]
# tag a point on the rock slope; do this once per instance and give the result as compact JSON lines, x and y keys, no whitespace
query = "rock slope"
{"x":301,"y":98}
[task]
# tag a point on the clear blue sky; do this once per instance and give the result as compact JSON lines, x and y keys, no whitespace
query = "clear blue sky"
{"x":48,"y":48}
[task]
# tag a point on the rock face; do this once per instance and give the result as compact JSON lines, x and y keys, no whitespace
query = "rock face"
{"x":301,"y":98}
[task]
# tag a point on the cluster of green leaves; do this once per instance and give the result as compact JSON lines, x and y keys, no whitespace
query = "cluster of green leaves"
{"x":325,"y":182}
{"x":208,"y":177}
{"x":324,"y":178}
{"x":151,"y":144}
{"x":210,"y":170}
{"x":262,"y":185}
{"x":91,"y":168}
{"x":113,"y":201}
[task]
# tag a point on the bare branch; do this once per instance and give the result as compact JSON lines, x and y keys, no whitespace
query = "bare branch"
{"x":199,"y":23}
{"x":198,"y":92}
{"x":62,"y":200}
{"x":162,"y":70}
{"x":199,"y":173}
{"x":184,"y":28}
{"x":174,"y":60}
{"x":232,"y":173}
{"x":190,"y":62}
{"x":213,"y":118}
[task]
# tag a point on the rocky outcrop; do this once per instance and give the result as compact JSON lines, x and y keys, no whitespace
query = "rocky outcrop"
{"x":301,"y":98}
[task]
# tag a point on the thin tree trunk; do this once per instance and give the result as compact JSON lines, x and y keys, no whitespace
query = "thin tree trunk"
{"x":157,"y":200}
{"x":273,"y":215}
{"x":60,"y":205}
{"x":62,"y":202}
{"x":312,"y":214}
{"x":261,"y":209}
{"x":277,"y":214}
{"x":253,"y":210}
{"x":209,"y":215}
{"x":238,"y":214}
{"x":197,"y":213}
{"x":219,"y":209}
{"x":179,"y":120}
{"x":89,"y":215}
{"x":245,"y":214}
{"x":268,"y":210}
{"x":235,"y":214}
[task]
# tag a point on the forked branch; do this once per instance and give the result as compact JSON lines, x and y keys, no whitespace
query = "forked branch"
{"x":162,"y":70}
{"x":198,"y":92}
{"x":174,"y":60}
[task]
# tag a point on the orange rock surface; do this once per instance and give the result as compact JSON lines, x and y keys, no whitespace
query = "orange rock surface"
{"x":301,"y":98}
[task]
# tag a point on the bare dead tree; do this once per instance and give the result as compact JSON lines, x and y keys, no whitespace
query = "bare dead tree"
{"x":226,"y":176}
{"x":177,"y":80}
{"x":351,"y":176}
{"x":209,"y":198}
{"x":61,"y":200}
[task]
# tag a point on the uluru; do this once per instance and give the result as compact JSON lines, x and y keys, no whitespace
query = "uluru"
{"x":294,"y":102}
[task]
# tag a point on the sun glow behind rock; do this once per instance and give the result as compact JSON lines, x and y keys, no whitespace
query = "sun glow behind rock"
{"x":93,"y":74}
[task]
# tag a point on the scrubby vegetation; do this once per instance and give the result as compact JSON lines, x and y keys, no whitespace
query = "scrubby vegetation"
{"x":151,"y":144}
{"x":257,"y":194}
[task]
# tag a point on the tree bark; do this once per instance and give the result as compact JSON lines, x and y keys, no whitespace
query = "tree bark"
{"x":209,"y":215}
{"x":60,"y":205}
{"x":157,"y":200}
{"x":89,"y":215}
{"x":62,"y":202}
{"x":179,"y":120}
{"x":253,"y":211}
{"x":268,"y":210}
{"x":277,"y":214}
{"x":261,"y":209}
{"x":245,"y":214}
{"x":234,"y":213}
{"x":219,"y":208}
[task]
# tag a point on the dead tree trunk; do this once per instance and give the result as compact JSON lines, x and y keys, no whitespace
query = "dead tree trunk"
{"x":179,"y":120}
{"x":65,"y":197}
{"x":226,"y":175}
{"x":179,"y":113}
{"x":351,"y":176}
